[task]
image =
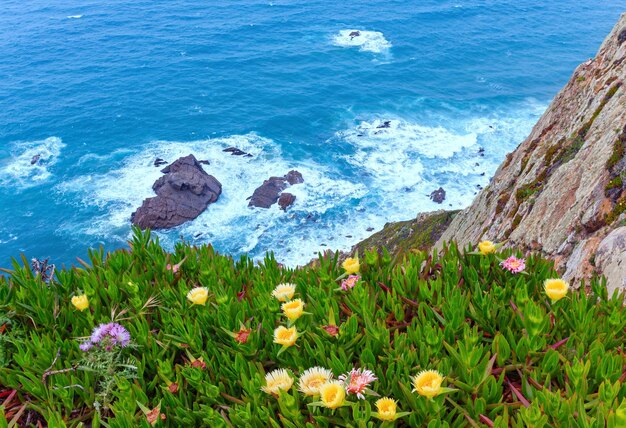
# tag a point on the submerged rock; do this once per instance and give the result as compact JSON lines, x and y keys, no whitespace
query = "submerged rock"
{"x":159,"y":162}
{"x":234,"y":151}
{"x":270,"y":191}
{"x":182,"y":194}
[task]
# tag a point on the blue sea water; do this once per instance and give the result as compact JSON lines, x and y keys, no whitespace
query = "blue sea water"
{"x":100,"y":89}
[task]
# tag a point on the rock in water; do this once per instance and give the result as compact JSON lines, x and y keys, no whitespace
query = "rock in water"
{"x":286,"y":200}
{"x":268,"y":193}
{"x":182,"y":194}
{"x":438,"y":195}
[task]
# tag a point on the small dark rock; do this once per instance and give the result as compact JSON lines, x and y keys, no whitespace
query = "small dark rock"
{"x":294,"y":177}
{"x":159,"y":162}
{"x":438,"y":195}
{"x":235,"y":151}
{"x":35,"y":159}
{"x":369,"y":229}
{"x":204,"y":162}
{"x":384,"y":125}
{"x":482,"y":174}
{"x":354,"y":34}
{"x":286,"y":200}
{"x":621,"y":38}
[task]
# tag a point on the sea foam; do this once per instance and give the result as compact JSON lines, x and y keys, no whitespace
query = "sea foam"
{"x":29,"y":163}
{"x":371,"y":41}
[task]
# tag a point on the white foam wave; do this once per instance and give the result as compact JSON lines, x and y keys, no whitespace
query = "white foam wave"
{"x":74,"y":16}
{"x":371,"y":41}
{"x":29,"y":163}
{"x":229,"y":223}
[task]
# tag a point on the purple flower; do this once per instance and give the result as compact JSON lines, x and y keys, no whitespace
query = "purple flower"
{"x":119,"y":335}
{"x":107,"y":335}
{"x":86,"y":346}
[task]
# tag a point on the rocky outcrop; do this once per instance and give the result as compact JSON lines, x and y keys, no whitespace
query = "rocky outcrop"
{"x":270,"y":191}
{"x":285,"y":200}
{"x":182,"y":194}
{"x":562,"y":191}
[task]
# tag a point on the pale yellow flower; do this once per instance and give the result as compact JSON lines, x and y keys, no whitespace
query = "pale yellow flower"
{"x":198,"y":295}
{"x":312,"y":379}
{"x":277,"y":380}
{"x":428,"y":383}
{"x":386,"y":408}
{"x":285,"y":336}
{"x":486,"y":247}
{"x":284,"y":292}
{"x":293,"y":309}
{"x":351,"y":266}
{"x":80,"y":302}
{"x":332,"y":394}
{"x":555,"y":288}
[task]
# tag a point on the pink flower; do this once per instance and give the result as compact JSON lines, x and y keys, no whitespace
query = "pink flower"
{"x":349,"y":282}
{"x":357,"y":381}
{"x":513,"y":264}
{"x":172,"y":268}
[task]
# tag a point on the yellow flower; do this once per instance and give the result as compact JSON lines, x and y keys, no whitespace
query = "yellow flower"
{"x":284,"y":292}
{"x":332,"y":394}
{"x":386,"y":408}
{"x":428,"y":383}
{"x":198,"y":295}
{"x":293,"y":309}
{"x":312,"y":379}
{"x":556,"y":289}
{"x":80,"y":302}
{"x":285,"y":336}
{"x":486,"y":247}
{"x":351,"y":266}
{"x":276,"y":380}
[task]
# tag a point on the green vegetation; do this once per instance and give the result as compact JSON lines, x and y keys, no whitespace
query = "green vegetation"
{"x":509,"y":355}
{"x":402,"y":236}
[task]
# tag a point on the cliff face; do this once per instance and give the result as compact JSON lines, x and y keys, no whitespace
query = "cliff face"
{"x":563,"y":190}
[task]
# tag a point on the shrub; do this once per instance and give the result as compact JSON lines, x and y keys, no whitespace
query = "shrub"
{"x":508,"y":355}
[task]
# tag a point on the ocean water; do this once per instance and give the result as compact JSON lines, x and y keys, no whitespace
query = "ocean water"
{"x":100,"y":89}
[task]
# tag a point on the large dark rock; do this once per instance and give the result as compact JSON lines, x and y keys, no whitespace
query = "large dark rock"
{"x":268,"y":193}
{"x":182,"y":194}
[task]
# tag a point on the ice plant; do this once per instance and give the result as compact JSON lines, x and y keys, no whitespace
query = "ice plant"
{"x":555,"y":288}
{"x":486,"y":247}
{"x":386,"y":409}
{"x":357,"y":381}
{"x":351,"y":265}
{"x":332,"y":394}
{"x":312,"y":379}
{"x":285,"y":336}
{"x":513,"y":264}
{"x":428,"y":383}
{"x":284,"y":292}
{"x":198,"y":295}
{"x":349,"y":282}
{"x":107,"y":336}
{"x":80,"y":302}
{"x":277,"y":380}
{"x":242,"y":335}
{"x":293,"y":309}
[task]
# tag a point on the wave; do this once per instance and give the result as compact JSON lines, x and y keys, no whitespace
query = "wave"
{"x":370,"y":41}
{"x":229,"y":224}
{"x":29,"y":163}
{"x":74,"y":16}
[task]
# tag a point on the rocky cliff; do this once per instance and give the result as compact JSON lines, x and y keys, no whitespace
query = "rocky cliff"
{"x":563,"y":190}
